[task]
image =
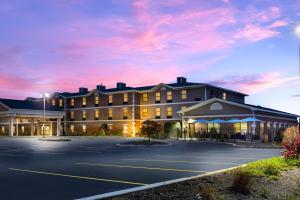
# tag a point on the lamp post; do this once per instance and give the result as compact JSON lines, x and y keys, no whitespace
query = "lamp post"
{"x":297,"y":32}
{"x":44,"y":96}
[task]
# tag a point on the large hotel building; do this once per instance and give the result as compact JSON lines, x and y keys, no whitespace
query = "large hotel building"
{"x":183,"y":108}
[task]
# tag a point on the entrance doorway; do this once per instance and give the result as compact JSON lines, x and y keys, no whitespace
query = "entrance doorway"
{"x":47,"y":130}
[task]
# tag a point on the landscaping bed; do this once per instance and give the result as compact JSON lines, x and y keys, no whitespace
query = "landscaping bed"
{"x":275,"y":178}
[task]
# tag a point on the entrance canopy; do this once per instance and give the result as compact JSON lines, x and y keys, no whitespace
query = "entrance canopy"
{"x":221,"y":121}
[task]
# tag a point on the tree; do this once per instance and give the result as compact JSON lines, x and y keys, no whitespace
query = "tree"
{"x":104,"y":128}
{"x":150,"y":128}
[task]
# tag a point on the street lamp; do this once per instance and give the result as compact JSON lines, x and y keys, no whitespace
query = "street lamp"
{"x":44,"y":96}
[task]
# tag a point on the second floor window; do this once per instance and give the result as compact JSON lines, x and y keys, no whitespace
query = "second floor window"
{"x":72,"y":115}
{"x":72,"y":103}
{"x":157,"y":97}
{"x":169,"y":112}
{"x":60,"y":103}
{"x":183,"y":94}
{"x":110,"y":113}
{"x":83,"y":101}
{"x":125,"y":113}
{"x":110,"y":99}
{"x":125,"y":98}
{"x":96,"y":100}
{"x":53,"y":102}
{"x":169,"y":96}
{"x":145,"y":97}
{"x":157,"y":112}
{"x":97,"y":114}
{"x":145,"y":112}
{"x":83,"y":115}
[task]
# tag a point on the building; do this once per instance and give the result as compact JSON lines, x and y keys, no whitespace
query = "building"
{"x":121,"y":111}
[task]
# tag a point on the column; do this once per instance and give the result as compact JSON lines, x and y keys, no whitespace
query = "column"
{"x":17,"y":127}
{"x":32,"y":127}
{"x":58,"y":121}
{"x":11,"y":126}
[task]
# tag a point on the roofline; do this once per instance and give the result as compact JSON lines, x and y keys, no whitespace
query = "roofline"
{"x":1,"y":103}
{"x":236,"y":104}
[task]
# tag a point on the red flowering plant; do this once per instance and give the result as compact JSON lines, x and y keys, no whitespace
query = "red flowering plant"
{"x":291,"y":143}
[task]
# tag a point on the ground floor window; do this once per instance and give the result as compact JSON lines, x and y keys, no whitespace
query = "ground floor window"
{"x":237,"y":127}
{"x":72,"y":128}
{"x":125,"y":129}
{"x":2,"y":129}
{"x":262,"y":128}
{"x":84,"y":128}
{"x":244,"y":128}
{"x":22,"y":129}
{"x":214,"y":125}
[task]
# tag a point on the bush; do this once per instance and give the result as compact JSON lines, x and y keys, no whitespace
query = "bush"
{"x":291,"y":143}
{"x":151,"y":129}
{"x":242,"y":182}
{"x":206,"y":192}
{"x":115,"y":131}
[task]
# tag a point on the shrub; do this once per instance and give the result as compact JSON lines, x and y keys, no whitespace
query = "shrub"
{"x":291,"y":143}
{"x":242,"y":182}
{"x":151,"y":129}
{"x":271,"y":170}
{"x":115,"y":131}
{"x":206,"y":192}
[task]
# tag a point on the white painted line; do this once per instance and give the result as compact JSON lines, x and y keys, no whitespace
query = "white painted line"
{"x":151,"y":186}
{"x":180,"y":161}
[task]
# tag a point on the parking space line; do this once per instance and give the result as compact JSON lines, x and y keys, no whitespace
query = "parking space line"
{"x":211,"y":156}
{"x":140,"y":167}
{"x":5,"y":154}
{"x":180,"y":161}
{"x":76,"y":177}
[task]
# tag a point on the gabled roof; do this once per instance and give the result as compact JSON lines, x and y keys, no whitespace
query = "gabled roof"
{"x":27,"y":105}
{"x":249,"y":106}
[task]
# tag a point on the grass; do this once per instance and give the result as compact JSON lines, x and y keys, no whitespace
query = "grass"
{"x":271,"y":167}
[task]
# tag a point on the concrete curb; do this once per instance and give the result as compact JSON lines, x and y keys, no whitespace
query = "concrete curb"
{"x":155,"y":185}
{"x":154,"y":145}
{"x":55,"y":139}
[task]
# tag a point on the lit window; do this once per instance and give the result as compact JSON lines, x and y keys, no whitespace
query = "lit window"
{"x":109,"y":127}
{"x":83,"y":101}
{"x":72,"y":103}
{"x":53,"y":102}
{"x":72,"y":115}
{"x":110,"y":113}
{"x":96,"y":114}
{"x":2,"y":129}
{"x":157,"y":112}
{"x":169,"y":96}
{"x":145,"y":97}
{"x":125,"y":113}
{"x":60,"y":103}
{"x":125,"y":99}
{"x":125,"y":129}
{"x":183,"y":107}
{"x":110,"y":99}
{"x":72,"y":128}
{"x":237,"y":127}
{"x":183,"y":94}
{"x":169,"y":111}
{"x":83,"y":115}
{"x":96,"y":100}
{"x":145,"y":112}
{"x":84,"y":128}
{"x":224,"y":95}
{"x":244,"y":128}
{"x":157,"y":96}
{"x":22,"y":129}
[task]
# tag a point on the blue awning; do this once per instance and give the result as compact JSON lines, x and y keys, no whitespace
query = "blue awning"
{"x":250,"y":119}
{"x":201,"y":121}
{"x":218,"y":121}
{"x":234,"y":121}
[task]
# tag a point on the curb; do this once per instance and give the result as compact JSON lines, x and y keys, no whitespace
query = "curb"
{"x":154,"y":145}
{"x":55,"y":139}
{"x":155,"y":185}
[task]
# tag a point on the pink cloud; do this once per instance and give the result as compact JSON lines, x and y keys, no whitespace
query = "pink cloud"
{"x":279,"y":23}
{"x":254,"y":33}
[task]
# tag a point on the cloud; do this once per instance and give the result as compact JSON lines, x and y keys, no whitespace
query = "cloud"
{"x":254,"y":33}
{"x":296,"y":96}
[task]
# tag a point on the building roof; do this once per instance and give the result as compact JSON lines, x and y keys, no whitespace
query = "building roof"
{"x":27,"y":105}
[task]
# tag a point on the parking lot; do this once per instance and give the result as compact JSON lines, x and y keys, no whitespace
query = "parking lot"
{"x":33,"y":169}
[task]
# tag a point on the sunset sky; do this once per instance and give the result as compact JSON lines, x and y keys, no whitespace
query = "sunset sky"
{"x":60,"y":45}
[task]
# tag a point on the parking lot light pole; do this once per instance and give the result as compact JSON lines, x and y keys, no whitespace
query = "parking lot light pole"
{"x":297,"y":32}
{"x":44,"y":96}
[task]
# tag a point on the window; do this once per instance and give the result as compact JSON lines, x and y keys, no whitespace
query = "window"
{"x":60,"y":103}
{"x":244,"y":128}
{"x":169,"y":96}
{"x":72,"y":115}
{"x":183,"y":94}
{"x":183,"y":107}
{"x":83,"y":101}
{"x":215,"y":126}
{"x":262,"y":128}
{"x":83,"y":115}
{"x":237,"y":127}
{"x":110,"y":113}
{"x":96,"y":100}
{"x":145,"y":112}
{"x":110,"y":99}
{"x":96,"y":114}
{"x":145,"y":97}
{"x":2,"y":129}
{"x":157,"y":113}
{"x":169,"y":112}
{"x":53,"y":102}
{"x":84,"y":128}
{"x":125,"y":113}
{"x":22,"y":129}
{"x":125,"y":98}
{"x":157,"y":97}
{"x":72,"y":103}
{"x":72,"y":128}
{"x":224,"y":95}
{"x":125,"y":129}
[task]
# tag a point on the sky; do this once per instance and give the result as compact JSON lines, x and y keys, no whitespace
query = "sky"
{"x":59,"y":45}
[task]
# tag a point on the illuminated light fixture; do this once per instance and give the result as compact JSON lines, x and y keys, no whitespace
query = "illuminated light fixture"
{"x":44,"y":96}
{"x":191,"y":121}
